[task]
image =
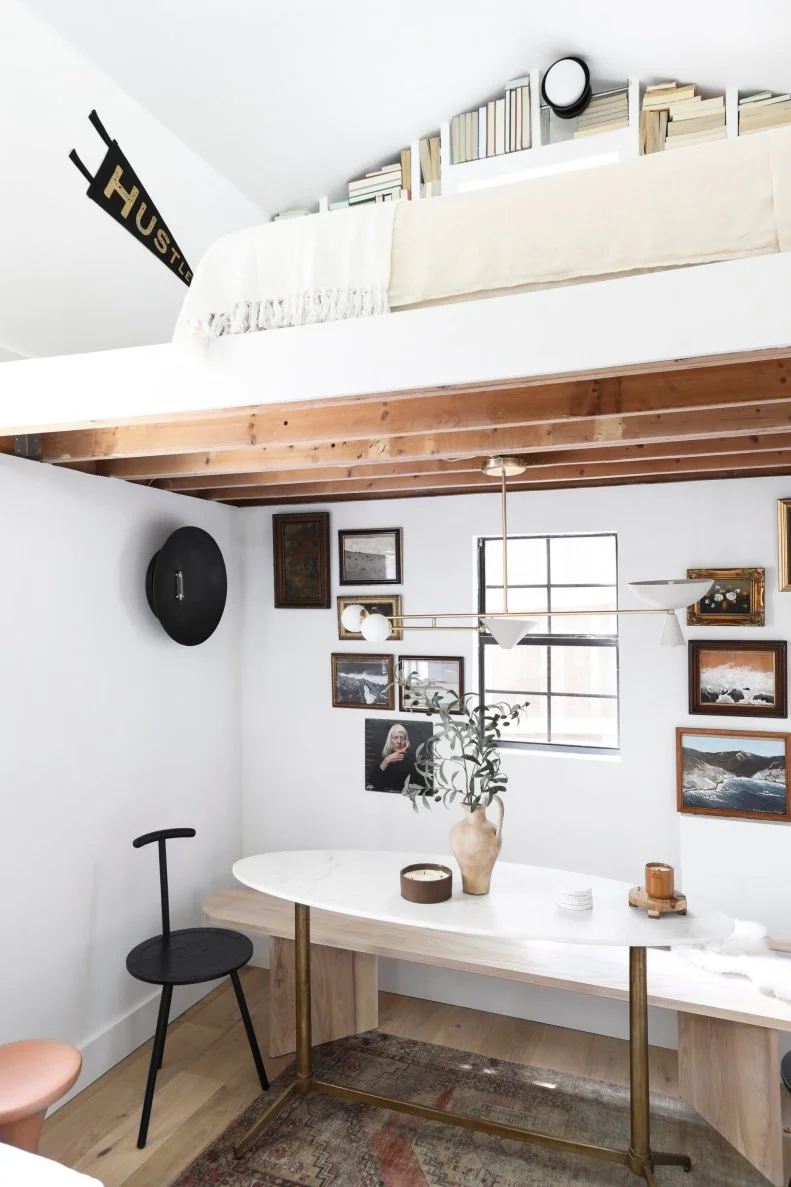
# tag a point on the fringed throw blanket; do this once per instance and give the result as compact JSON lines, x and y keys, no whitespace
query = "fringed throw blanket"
{"x":294,"y":272}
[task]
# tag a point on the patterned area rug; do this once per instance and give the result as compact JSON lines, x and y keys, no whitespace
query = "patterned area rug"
{"x":319,"y":1141}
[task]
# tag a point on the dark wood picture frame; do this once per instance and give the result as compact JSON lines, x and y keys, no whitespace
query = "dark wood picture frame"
{"x":755,"y":616}
{"x":362,"y":657}
{"x":733,"y":736}
{"x":458,"y":660}
{"x":301,"y":544}
{"x":345,"y":534}
{"x":776,"y":708}
{"x":388,"y":604}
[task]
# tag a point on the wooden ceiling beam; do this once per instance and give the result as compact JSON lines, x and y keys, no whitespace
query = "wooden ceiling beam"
{"x":451,"y":408}
{"x":776,"y":460}
{"x":591,"y":456}
{"x":528,"y":439}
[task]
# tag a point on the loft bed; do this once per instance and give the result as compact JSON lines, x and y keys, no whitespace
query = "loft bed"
{"x":725,"y":200}
{"x":679,"y":372}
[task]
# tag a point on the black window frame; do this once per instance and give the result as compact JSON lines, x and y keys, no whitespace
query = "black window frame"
{"x":547,"y":639}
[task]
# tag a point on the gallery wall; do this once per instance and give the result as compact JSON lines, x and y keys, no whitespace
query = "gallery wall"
{"x":303,"y":760}
{"x":109,"y":730}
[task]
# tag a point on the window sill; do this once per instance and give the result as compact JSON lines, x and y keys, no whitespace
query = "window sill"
{"x":551,"y":751}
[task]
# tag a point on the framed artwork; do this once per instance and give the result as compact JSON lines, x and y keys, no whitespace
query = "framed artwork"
{"x":736,"y":598}
{"x":391,"y":748}
{"x":302,"y":560}
{"x":362,"y":681}
{"x":443,"y":674}
{"x":738,"y":679}
{"x":388,"y":604}
{"x":370,"y":557}
{"x":783,"y":549}
{"x":725,"y":773}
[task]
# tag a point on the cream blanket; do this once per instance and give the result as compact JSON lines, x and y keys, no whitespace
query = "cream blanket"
{"x":292,"y":273}
{"x":745,"y":952}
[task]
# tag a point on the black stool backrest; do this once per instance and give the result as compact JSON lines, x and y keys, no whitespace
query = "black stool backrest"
{"x":164,"y":834}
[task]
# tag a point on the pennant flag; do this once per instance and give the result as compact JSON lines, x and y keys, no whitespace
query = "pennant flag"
{"x":120,"y":192}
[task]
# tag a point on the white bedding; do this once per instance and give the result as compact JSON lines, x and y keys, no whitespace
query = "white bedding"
{"x":718,"y":201}
{"x":20,"y":1169}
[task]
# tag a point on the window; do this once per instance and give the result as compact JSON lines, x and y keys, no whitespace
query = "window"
{"x":568,"y":668}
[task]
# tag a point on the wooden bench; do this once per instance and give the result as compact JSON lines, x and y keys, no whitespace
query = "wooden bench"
{"x":728,"y":1057}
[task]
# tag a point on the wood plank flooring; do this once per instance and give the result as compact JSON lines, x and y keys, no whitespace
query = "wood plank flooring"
{"x":208,"y":1078}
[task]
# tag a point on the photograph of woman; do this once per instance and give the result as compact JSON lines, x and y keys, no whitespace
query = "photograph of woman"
{"x":390,"y":753}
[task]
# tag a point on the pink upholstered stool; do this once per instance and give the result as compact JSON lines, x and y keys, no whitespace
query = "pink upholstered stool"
{"x":33,"y":1075}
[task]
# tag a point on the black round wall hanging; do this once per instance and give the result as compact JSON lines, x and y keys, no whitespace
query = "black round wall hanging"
{"x":566,"y":87}
{"x":186,"y":585}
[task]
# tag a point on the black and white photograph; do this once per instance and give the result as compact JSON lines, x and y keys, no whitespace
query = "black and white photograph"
{"x":430,"y":676}
{"x":391,"y":748}
{"x":370,"y":557}
{"x":362,"y":681}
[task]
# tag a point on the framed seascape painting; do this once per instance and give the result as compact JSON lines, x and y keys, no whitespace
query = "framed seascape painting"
{"x":736,"y":598}
{"x":387,"y":604}
{"x":370,"y":557}
{"x":362,"y":681}
{"x":738,"y":679}
{"x":302,"y":560}
{"x":391,"y":748}
{"x":725,"y":773}
{"x":784,"y":544}
{"x":443,"y":674}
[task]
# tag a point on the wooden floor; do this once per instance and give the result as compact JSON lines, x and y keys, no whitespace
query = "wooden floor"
{"x":208,"y":1078}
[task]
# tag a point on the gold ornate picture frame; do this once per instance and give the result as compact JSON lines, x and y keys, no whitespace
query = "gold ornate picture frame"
{"x":735,"y":599}
{"x":784,"y":545}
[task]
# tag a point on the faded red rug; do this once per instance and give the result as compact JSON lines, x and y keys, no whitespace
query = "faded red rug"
{"x":319,"y":1141}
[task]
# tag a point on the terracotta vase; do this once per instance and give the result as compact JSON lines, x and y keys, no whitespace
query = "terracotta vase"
{"x":476,"y":843}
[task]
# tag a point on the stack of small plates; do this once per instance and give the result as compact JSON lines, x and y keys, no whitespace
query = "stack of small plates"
{"x":576,"y":898}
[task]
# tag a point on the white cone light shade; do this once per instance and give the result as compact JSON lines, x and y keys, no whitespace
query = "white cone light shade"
{"x":674,"y":594}
{"x":352,"y":618}
{"x":671,"y":635}
{"x":508,"y":631}
{"x":376,"y":628}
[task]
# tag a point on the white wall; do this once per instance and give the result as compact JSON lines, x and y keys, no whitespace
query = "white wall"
{"x":303,"y":760}
{"x":109,"y":729}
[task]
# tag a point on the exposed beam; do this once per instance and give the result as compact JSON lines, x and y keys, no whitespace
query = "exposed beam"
{"x":449,"y":408}
{"x":568,"y":434}
{"x":776,"y":460}
{"x":693,"y":447}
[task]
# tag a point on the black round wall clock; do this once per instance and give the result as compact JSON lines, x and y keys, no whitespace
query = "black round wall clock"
{"x":187,"y":584}
{"x":566,"y":87}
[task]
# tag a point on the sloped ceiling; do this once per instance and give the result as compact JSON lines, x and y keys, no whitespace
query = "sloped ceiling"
{"x":231,"y":110}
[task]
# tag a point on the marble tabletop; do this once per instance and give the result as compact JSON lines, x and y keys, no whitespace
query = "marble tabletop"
{"x":522,"y":902}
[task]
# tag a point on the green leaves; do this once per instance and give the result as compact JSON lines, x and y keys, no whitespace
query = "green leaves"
{"x":462,"y":757}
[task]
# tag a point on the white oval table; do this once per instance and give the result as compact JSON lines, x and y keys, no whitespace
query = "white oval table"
{"x":522,"y":904}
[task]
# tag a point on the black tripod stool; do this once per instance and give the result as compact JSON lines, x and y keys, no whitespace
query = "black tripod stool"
{"x":187,"y":957}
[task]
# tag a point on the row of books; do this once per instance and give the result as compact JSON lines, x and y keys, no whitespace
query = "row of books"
{"x":675,"y":116}
{"x":502,"y":125}
{"x":764,"y":110}
{"x":606,"y":112}
{"x":381,"y":185}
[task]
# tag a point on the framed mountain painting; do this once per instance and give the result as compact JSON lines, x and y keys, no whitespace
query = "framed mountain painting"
{"x":728,"y":773}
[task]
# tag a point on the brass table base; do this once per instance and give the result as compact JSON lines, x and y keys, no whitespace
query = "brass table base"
{"x":640,"y":1159}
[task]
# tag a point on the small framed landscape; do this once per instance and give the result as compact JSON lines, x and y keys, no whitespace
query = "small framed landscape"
{"x":738,"y":679}
{"x":302,"y":560}
{"x":728,"y":773}
{"x":443,"y":674}
{"x":736,"y":598}
{"x":387,"y":604}
{"x":362,"y":681}
{"x":370,"y":557}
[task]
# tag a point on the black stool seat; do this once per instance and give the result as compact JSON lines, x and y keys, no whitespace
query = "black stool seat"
{"x":190,"y":956}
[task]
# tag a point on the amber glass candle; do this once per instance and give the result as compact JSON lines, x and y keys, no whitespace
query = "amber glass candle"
{"x":659,"y":880}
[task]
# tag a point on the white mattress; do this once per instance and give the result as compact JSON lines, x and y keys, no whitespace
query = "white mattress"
{"x":719,"y":201}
